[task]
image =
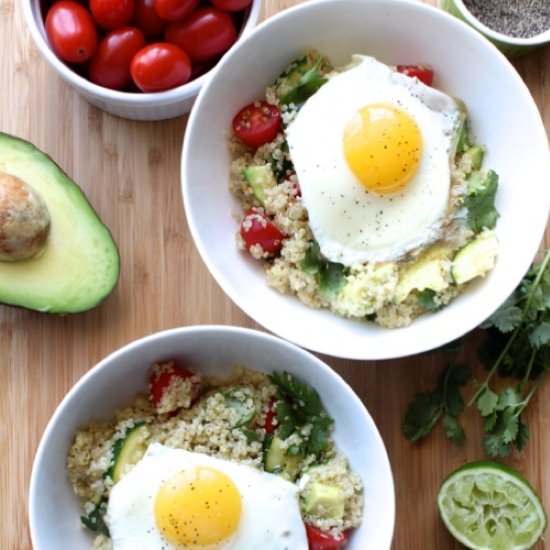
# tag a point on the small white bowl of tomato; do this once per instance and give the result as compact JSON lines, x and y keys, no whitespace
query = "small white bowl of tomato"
{"x":138,"y":59}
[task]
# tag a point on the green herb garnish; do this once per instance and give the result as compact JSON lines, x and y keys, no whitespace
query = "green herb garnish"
{"x":480,"y":201}
{"x":298,"y":406}
{"x":308,"y":84}
{"x":95,"y":521}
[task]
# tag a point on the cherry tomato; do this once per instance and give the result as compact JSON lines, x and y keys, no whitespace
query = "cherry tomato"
{"x":424,"y":73}
{"x":319,"y":540}
{"x":204,"y":34}
{"x":147,"y":19}
{"x":258,"y":229}
{"x":232,"y":5}
{"x":159,"y":67}
{"x":257,"y":123}
{"x":110,"y":66}
{"x":174,"y":10}
{"x":160,"y":381}
{"x":71,"y":31}
{"x":111,"y":14}
{"x":269,"y":422}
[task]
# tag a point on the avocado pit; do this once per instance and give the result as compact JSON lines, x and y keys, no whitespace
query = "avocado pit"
{"x":24,"y":220}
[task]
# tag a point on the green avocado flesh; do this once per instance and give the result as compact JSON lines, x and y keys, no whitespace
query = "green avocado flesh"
{"x":80,"y":264}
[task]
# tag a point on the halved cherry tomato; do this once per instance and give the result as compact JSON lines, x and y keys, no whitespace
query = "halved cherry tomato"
{"x":174,"y":10}
{"x":424,"y":73}
{"x":110,"y":66}
{"x":258,"y":229}
{"x":147,"y":19}
{"x":111,"y":14}
{"x":159,"y":382}
{"x":204,"y":34}
{"x":269,"y":422}
{"x":257,"y":123}
{"x":71,"y":31}
{"x":159,"y":67}
{"x":232,"y":5}
{"x":319,"y":540}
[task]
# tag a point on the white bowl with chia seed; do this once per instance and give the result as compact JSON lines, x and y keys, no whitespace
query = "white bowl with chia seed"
{"x":516,"y":27}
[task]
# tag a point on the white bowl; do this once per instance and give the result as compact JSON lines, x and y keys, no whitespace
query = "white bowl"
{"x":54,"y":510}
{"x":504,"y":117}
{"x":136,"y":106}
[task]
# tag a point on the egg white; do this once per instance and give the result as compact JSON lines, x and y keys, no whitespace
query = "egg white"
{"x":270,"y":514}
{"x":351,"y":224}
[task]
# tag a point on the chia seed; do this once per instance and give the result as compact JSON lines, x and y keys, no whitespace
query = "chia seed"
{"x":517,"y":18}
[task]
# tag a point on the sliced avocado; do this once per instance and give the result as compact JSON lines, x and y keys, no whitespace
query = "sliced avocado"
{"x":463,"y":137}
{"x":323,"y":501}
{"x":476,"y":258}
{"x":426,"y":273}
{"x":476,"y":154}
{"x":277,"y":461}
{"x":128,"y":451}
{"x":79,"y":264}
{"x":478,"y":182}
{"x":259,"y":177}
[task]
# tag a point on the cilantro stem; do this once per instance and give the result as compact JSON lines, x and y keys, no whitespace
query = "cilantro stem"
{"x":483,"y":387}
{"x":528,"y":370}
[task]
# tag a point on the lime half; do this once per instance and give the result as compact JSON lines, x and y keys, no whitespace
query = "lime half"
{"x":488,"y":506}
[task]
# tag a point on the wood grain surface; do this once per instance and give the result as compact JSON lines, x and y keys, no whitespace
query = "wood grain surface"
{"x":130,"y":171}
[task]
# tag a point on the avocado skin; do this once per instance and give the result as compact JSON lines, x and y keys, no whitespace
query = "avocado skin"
{"x":80,"y":201}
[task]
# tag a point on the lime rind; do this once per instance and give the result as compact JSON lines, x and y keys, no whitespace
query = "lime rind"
{"x":488,"y":506}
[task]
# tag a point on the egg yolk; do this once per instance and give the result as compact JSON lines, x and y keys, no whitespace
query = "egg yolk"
{"x":383,"y":146}
{"x":198,"y":508}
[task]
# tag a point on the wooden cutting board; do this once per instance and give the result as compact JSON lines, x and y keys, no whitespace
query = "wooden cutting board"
{"x":130,"y":171}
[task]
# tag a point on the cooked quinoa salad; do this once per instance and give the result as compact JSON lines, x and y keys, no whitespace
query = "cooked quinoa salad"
{"x":272,"y":425}
{"x":347,"y":233}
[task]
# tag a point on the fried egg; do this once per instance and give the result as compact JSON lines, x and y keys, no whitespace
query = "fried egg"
{"x":175,"y":499}
{"x":372,"y":151}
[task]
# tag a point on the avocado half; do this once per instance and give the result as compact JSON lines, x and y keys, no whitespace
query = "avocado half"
{"x":79,"y":265}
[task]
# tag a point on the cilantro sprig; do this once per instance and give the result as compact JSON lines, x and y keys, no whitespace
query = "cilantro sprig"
{"x":331,"y":275}
{"x":95,"y":521}
{"x":298,"y":406}
{"x":516,"y":346}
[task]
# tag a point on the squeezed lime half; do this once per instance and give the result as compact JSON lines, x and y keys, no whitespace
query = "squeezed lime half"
{"x":489,"y":506}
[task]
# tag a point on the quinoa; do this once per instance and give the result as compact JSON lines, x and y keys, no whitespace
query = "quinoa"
{"x":368,"y":291}
{"x":208,"y":420}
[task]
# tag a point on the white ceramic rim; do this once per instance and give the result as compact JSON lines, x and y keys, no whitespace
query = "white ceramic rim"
{"x":537,"y":40}
{"x":187,"y":90}
{"x":189,"y":331}
{"x":406,"y":348}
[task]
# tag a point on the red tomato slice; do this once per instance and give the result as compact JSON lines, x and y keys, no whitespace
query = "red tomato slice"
{"x":71,"y":31}
{"x":110,"y":66}
{"x":204,"y":34}
{"x":147,"y":19}
{"x":424,"y":73}
{"x":257,"y":123}
{"x":232,"y":5}
{"x":174,"y":10}
{"x":112,"y":14}
{"x":159,"y":67}
{"x":269,"y":422}
{"x":319,"y":540}
{"x":160,"y":381}
{"x":258,"y":229}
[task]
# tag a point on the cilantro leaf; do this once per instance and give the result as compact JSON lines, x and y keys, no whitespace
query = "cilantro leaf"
{"x":495,"y":447}
{"x":332,"y":279}
{"x":510,"y":426}
{"x":506,"y":318}
{"x":481,"y":204}
{"x":540,"y":336}
{"x":426,"y":299}
{"x":95,"y":521}
{"x":299,"y":405}
{"x":523,"y":435}
{"x":453,"y":430}
{"x":421,"y":416}
{"x":312,"y":262}
{"x":487,"y":402}
{"x":308,"y":84}
{"x":509,"y":398}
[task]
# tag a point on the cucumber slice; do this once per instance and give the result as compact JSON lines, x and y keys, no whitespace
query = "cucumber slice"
{"x":128,"y":451}
{"x":277,"y":461}
{"x":475,"y":259}
{"x":243,"y":405}
{"x":259,"y":178}
{"x":489,"y":506}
